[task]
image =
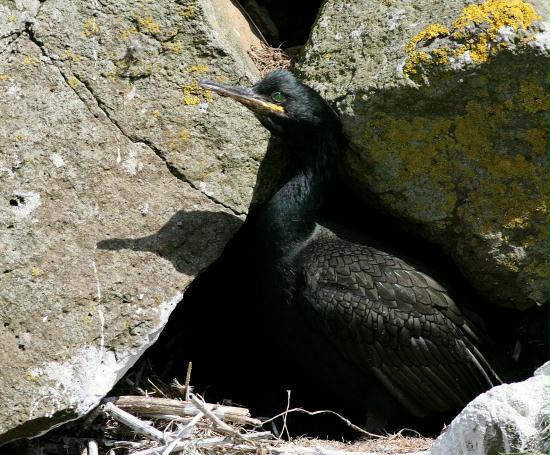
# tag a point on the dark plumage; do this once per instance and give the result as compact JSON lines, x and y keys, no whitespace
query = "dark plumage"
{"x":381,"y":333}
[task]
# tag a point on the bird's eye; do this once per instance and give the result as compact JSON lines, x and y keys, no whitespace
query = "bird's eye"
{"x":278,"y":97}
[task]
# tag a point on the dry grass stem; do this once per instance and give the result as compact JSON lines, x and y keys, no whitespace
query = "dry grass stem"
{"x":268,"y":58}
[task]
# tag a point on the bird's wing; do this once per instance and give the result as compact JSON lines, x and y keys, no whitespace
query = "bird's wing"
{"x":394,"y":321}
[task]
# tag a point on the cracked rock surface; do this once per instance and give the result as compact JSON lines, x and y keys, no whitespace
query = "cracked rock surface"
{"x":446,"y":108}
{"x":115,"y":191}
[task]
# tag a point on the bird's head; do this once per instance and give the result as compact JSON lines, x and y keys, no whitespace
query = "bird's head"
{"x":285,"y":106}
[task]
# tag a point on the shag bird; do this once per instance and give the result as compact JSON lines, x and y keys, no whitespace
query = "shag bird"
{"x":381,"y":332}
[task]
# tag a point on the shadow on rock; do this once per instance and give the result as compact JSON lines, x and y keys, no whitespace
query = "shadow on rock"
{"x":190,"y":240}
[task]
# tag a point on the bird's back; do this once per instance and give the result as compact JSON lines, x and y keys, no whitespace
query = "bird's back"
{"x":390,"y":322}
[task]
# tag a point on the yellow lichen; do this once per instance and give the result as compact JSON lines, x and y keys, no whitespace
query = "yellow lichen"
{"x":31,"y":377}
{"x":174,"y":46}
{"x":198,"y":69}
{"x":35,"y":271}
{"x":415,"y":58}
{"x":192,"y":93}
{"x":70,"y":56}
{"x":184,"y":134}
{"x":73,"y":82}
{"x":520,"y":222}
{"x":532,"y":96}
{"x":429,"y":33}
{"x":190,"y":11}
{"x":12,"y":18}
{"x":19,"y":138}
{"x":190,"y":99}
{"x":440,"y":159}
{"x":327,"y":55}
{"x":488,"y":19}
{"x":537,"y":137}
{"x":3,"y":76}
{"x":111,"y":74}
{"x":497,"y":14}
{"x":30,"y":60}
{"x":440,"y":56}
{"x":149,"y":25}
{"x":156,"y":114}
{"x":128,"y":33}
{"x":474,"y":31}
{"x":90,"y":27}
{"x":416,"y":149}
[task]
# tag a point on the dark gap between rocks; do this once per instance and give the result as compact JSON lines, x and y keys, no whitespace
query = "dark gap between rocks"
{"x":283,"y":23}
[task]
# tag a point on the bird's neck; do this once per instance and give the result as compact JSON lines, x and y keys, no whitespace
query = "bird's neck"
{"x":288,"y":218}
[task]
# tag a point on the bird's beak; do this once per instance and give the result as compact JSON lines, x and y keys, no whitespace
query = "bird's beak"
{"x":246,"y":96}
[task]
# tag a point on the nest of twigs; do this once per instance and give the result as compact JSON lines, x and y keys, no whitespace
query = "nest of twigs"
{"x":172,"y":419}
{"x":267,"y":58}
{"x":160,"y":426}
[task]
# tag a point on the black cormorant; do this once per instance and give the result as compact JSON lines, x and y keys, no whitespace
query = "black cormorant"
{"x":380,"y":332}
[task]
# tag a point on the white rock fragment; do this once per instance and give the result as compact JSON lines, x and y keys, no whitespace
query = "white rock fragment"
{"x":14,"y":90}
{"x":509,"y":418}
{"x":57,"y":160}
{"x":132,"y":165}
{"x":541,"y":39}
{"x":354,"y":34}
{"x":203,"y":187}
{"x":144,"y":208}
{"x":131,"y":95}
{"x":203,"y":108}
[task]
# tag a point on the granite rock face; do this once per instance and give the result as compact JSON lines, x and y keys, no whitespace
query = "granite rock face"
{"x":117,"y":186}
{"x":446,"y":108}
{"x":510,"y":418}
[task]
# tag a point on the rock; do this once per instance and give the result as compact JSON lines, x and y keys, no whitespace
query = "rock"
{"x":105,"y":136}
{"x":261,"y":18}
{"x":510,"y":418}
{"x":441,"y":136}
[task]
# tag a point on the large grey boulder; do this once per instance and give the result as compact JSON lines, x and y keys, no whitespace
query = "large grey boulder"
{"x":446,"y":108}
{"x":510,"y":418}
{"x":105,"y":135}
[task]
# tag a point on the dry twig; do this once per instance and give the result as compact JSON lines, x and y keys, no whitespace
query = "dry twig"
{"x":133,"y":422}
{"x":166,"y":407}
